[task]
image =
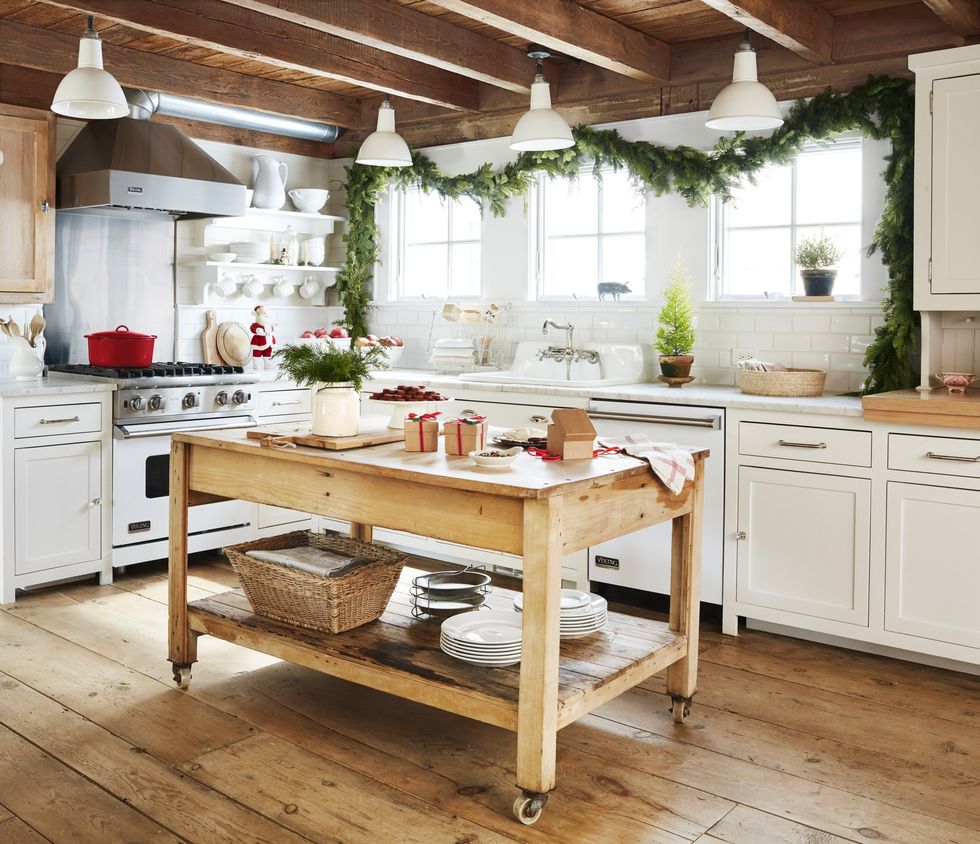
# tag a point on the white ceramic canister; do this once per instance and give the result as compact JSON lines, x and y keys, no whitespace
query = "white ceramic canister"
{"x":336,"y":410}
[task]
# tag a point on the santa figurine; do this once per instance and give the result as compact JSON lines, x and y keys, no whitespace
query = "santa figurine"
{"x":263,"y":337}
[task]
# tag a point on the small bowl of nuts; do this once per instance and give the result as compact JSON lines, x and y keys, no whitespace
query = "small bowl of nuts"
{"x":496,"y":458}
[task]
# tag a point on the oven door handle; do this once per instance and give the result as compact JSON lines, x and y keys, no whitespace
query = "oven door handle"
{"x":703,"y":422}
{"x":133,"y":432}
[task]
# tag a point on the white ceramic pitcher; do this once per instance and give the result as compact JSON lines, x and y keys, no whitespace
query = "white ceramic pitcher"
{"x":269,"y":182}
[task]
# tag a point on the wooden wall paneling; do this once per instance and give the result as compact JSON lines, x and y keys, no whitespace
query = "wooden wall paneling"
{"x":227,"y":28}
{"x":891,"y":32}
{"x":799,"y":25}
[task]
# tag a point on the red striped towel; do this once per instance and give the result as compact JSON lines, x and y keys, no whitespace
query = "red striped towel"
{"x":670,"y":462}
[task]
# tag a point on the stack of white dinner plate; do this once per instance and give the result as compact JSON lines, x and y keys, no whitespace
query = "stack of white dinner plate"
{"x":491,"y":638}
{"x":581,"y":612}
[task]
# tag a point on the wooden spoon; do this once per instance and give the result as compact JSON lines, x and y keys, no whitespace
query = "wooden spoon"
{"x":35,"y":328}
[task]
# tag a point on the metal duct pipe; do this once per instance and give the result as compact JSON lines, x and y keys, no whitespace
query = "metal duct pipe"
{"x":142,"y":104}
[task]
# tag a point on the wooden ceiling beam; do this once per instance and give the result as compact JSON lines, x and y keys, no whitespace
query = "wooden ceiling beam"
{"x":802,"y":26}
{"x":573,"y":30}
{"x":401,"y":30}
{"x":35,"y":88}
{"x":266,"y":38}
{"x":56,"y":52}
{"x":961,"y":16}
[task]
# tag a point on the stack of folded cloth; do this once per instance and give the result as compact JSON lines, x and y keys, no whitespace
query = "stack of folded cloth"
{"x":756,"y":365}
{"x":453,"y":353}
{"x":312,"y":560}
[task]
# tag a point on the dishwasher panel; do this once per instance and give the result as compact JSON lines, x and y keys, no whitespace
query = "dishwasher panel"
{"x":641,"y":560}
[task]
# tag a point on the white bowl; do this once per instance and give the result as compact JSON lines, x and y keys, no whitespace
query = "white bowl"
{"x":394,"y":353}
{"x":222,"y":257}
{"x":509,"y":455}
{"x":309,"y":200}
{"x":249,"y":251}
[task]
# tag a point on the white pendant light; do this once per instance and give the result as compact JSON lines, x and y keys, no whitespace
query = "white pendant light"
{"x":541,"y":128}
{"x":745,"y":104}
{"x":89,"y":92}
{"x":385,"y":147}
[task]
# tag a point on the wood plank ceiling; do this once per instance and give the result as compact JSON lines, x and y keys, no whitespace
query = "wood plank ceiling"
{"x":457,"y":69}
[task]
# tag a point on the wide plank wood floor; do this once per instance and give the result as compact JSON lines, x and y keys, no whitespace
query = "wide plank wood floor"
{"x":788,"y":742}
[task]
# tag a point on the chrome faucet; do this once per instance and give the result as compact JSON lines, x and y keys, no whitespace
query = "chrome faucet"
{"x":568,"y":353}
{"x":569,"y":330}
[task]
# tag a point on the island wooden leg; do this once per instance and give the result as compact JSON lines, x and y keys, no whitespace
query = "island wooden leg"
{"x":685,"y":599}
{"x":537,"y":716}
{"x":183,"y":641}
{"x":361,"y":532}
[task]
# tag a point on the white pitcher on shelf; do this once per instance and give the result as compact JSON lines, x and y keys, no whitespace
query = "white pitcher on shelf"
{"x":269,"y":182}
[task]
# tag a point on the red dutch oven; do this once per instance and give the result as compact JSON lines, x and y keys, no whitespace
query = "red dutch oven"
{"x":121,"y":347}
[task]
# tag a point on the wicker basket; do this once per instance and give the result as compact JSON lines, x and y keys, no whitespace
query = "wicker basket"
{"x":330,"y":604}
{"x":792,"y":382}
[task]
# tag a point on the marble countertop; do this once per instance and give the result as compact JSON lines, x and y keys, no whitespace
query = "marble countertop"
{"x":690,"y":394}
{"x":55,"y":383}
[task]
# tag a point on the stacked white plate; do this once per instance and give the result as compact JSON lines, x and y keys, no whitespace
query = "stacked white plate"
{"x":491,"y":638}
{"x":582,"y":613}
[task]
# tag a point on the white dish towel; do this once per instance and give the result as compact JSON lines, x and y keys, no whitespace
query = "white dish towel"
{"x":670,"y":462}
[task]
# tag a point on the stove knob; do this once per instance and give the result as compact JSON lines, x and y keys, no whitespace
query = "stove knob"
{"x":136,"y":403}
{"x":221,"y":399}
{"x":189,"y":401}
{"x":239,"y":397}
{"x":156,"y":402}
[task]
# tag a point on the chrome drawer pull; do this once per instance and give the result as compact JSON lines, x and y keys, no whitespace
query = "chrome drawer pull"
{"x":787,"y":444}
{"x":933,"y":456}
{"x":538,"y":419}
{"x":58,"y":421}
{"x":284,"y":403}
{"x":468,"y":412}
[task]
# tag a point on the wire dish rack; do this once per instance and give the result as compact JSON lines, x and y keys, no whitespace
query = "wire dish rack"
{"x":468,"y":339}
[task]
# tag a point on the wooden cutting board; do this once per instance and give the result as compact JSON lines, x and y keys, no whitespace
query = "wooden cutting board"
{"x":365,"y":438}
{"x":234,"y":343}
{"x":209,"y":339}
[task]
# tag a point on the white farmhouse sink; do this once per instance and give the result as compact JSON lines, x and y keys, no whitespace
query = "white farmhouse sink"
{"x":619,"y":363}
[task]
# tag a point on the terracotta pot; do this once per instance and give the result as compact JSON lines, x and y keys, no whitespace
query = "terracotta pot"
{"x":818,"y":282}
{"x":676,"y":366}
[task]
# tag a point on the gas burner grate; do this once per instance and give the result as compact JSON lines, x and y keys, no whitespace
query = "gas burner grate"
{"x":159,"y":369}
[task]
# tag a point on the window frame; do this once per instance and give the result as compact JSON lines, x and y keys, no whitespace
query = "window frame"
{"x":397,"y":200}
{"x":538,"y":242}
{"x":717,"y":230}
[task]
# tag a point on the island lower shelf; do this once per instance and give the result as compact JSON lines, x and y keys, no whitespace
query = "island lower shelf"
{"x":400,"y":655}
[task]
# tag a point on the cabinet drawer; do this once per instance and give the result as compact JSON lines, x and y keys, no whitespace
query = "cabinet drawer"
{"x":285,"y":402}
{"x":938,"y":455}
{"x":57,"y":419}
{"x":798,"y":442}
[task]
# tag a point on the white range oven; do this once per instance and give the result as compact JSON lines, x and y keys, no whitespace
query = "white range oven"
{"x":641,"y":560}
{"x":148,"y":406}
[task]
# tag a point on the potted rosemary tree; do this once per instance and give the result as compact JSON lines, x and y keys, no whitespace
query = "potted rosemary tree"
{"x":817,"y":258}
{"x":676,"y":335}
{"x":336,"y":376}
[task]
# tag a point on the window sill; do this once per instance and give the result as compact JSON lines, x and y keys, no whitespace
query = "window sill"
{"x":868,"y":304}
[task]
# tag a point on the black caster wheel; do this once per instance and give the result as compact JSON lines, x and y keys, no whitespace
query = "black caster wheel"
{"x":182,"y":674}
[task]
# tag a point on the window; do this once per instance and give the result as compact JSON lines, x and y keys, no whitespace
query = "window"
{"x":438,"y":253}
{"x":758,"y":229}
{"x":589,"y":232}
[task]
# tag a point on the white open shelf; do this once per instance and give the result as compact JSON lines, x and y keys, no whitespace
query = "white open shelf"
{"x":262,"y":220}
{"x":238,"y":265}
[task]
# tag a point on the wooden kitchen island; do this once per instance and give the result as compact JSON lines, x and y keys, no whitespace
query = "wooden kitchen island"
{"x":539,"y":510}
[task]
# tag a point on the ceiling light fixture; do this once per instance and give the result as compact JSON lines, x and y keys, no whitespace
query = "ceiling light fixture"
{"x":542,"y":127}
{"x":745,"y":104}
{"x":89,"y":92}
{"x":385,"y":147}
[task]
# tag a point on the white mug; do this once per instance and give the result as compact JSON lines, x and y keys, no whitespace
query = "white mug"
{"x":282,"y":288}
{"x":252,"y":287}
{"x":226,"y":287}
{"x":309,"y":288}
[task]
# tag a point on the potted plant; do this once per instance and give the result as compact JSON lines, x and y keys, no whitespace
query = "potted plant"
{"x":676,"y":335}
{"x":817,"y":258}
{"x":336,"y":376}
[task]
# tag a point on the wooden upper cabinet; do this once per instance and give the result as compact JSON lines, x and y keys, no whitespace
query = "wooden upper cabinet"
{"x":27,"y":191}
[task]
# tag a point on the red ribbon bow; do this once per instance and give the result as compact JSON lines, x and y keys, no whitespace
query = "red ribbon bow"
{"x":420,"y":418}
{"x":542,"y":453}
{"x":468,"y":420}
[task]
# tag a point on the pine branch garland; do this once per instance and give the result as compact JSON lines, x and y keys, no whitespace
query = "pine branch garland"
{"x":882,"y":109}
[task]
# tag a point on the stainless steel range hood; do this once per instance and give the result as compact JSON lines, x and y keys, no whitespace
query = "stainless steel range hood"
{"x":140,"y":165}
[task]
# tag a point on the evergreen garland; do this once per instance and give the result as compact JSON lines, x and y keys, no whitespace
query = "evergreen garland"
{"x":882,"y":108}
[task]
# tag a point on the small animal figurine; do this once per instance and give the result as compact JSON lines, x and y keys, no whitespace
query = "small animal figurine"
{"x":612,"y":288}
{"x":263,"y":337}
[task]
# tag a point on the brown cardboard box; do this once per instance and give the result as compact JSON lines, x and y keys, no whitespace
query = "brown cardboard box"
{"x":571,"y":434}
{"x":421,"y":434}
{"x":465,"y":435}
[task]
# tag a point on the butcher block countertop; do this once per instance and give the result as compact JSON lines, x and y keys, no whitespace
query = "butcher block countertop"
{"x":936,"y":407}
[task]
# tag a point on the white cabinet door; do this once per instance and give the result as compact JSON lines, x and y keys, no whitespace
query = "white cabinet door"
{"x":58,"y":512}
{"x":806,"y":546}
{"x":932,"y":563}
{"x":955,"y":185}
